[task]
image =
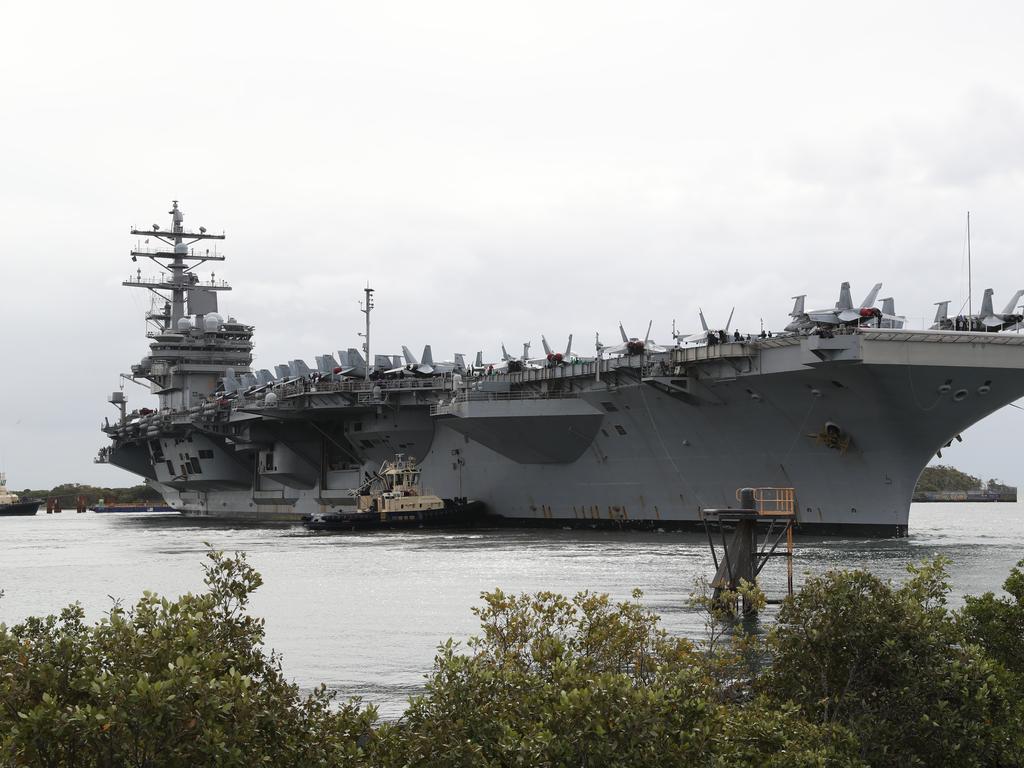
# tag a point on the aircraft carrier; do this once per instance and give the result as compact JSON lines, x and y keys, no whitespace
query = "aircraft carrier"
{"x":847,"y":407}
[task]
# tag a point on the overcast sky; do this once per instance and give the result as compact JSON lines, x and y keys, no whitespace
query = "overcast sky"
{"x":496,"y":172}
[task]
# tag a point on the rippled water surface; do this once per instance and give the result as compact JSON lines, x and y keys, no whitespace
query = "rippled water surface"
{"x":365,"y":612}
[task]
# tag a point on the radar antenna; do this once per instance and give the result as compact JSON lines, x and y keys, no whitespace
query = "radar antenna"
{"x":366,"y":307}
{"x":178,"y":262}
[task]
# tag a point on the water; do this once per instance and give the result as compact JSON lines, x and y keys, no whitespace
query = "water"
{"x":364,"y":613}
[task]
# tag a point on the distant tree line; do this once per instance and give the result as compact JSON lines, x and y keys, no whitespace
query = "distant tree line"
{"x":92,"y":493}
{"x":856,"y":672}
{"x":943,"y":478}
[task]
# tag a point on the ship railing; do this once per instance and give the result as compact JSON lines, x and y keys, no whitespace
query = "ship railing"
{"x":171,"y":254}
{"x":304,"y":386}
{"x":374,"y":391}
{"x":774,"y":502}
{"x":717,"y":351}
{"x":476,"y":396}
{"x":563,"y":371}
{"x":222,"y":339}
{"x":160,"y":280}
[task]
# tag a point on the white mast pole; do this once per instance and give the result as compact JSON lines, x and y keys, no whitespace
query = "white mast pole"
{"x":970,"y":306}
{"x":367,"y":307}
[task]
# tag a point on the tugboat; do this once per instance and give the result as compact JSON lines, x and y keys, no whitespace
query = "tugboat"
{"x":11,"y":505}
{"x":393,"y":498}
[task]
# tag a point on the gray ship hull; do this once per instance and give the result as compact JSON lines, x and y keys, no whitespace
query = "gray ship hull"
{"x":848,"y":422}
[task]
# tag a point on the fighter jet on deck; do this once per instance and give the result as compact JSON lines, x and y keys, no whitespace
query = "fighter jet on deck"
{"x":843,"y":313}
{"x":985,"y":320}
{"x":426,"y":366}
{"x":696,"y":339}
{"x":631,"y":345}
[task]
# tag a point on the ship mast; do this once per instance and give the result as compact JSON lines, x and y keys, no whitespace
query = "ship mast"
{"x":178,"y":262}
{"x":970,"y":306}
{"x":192,"y":349}
{"x":366,"y":309}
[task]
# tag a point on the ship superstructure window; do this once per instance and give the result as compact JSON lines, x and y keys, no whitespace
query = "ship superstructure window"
{"x":205,"y":453}
{"x":170,"y":467}
{"x":609,"y":406}
{"x":196,"y":467}
{"x":620,"y":429}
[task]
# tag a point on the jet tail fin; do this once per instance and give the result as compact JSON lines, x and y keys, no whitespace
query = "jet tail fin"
{"x":869,"y":300}
{"x":410,"y":359}
{"x":568,"y":347}
{"x":1012,"y":305}
{"x":544,"y":342}
{"x":845,"y":300}
{"x":460,"y":362}
{"x":504,"y":352}
{"x":355,"y":359}
{"x":986,"y":303}
{"x":703,"y":322}
{"x":326,"y":363}
{"x":428,"y":355}
{"x":729,"y":321}
{"x":299,"y":368}
{"x":942,"y":311}
{"x":798,"y":306}
{"x":480,"y":359}
{"x":622,"y":332}
{"x":889,"y":306}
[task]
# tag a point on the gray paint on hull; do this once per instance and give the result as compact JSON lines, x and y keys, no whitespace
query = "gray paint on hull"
{"x":749,"y":419}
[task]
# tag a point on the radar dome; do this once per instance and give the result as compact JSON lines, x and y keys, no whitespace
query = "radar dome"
{"x":211,"y":322}
{"x":270,"y":399}
{"x":184,"y":323}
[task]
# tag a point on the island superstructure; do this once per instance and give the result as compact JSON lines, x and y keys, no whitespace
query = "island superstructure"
{"x":848,"y":413}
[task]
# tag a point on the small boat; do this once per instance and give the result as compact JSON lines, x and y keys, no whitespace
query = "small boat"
{"x":11,"y":505}
{"x":393,"y":499}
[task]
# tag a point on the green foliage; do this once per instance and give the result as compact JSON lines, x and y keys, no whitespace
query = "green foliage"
{"x":891,"y":665}
{"x":583,"y":681}
{"x":997,"y":623}
{"x":857,"y":672}
{"x":943,"y":478}
{"x":995,"y":486}
{"x":165,"y":683}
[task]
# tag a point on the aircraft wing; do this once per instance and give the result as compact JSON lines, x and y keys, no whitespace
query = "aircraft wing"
{"x":824,"y":317}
